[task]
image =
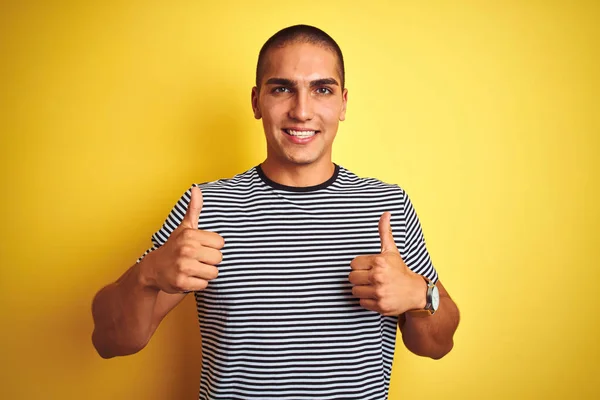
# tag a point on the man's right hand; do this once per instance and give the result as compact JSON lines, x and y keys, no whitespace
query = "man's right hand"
{"x":186,"y":262}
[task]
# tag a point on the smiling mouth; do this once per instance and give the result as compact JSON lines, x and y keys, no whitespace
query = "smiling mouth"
{"x":300,"y":134}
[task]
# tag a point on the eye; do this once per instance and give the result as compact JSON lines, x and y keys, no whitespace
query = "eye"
{"x":324,"y":90}
{"x":281,"y":89}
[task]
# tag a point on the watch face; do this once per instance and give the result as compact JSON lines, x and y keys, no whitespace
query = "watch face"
{"x":435,"y":298}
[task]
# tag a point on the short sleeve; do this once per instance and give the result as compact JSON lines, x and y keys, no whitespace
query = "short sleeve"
{"x":413,"y":250}
{"x":172,"y":221}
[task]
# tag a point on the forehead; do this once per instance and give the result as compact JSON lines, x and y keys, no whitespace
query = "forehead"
{"x":301,"y":61}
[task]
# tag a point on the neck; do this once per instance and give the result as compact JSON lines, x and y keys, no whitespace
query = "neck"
{"x":298,"y":175}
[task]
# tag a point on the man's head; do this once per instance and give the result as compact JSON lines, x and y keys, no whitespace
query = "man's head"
{"x":300,"y":34}
{"x":300,"y":96}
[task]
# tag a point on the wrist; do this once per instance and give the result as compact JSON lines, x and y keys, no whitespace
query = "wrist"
{"x":419,"y":293}
{"x":145,"y":273}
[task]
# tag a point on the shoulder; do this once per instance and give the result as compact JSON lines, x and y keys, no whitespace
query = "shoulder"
{"x":348,"y":180}
{"x":242,"y":181}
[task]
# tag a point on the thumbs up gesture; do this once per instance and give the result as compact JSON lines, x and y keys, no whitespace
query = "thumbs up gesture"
{"x":383,"y":282}
{"x":186,"y":262}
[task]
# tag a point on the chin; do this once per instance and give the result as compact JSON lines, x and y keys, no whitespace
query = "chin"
{"x":302,"y":159}
{"x":299,"y":162}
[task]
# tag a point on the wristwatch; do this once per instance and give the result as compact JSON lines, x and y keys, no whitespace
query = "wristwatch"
{"x":432,"y":301}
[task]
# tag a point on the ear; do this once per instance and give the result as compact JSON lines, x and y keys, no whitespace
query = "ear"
{"x":344,"y":103}
{"x":255,"y":108}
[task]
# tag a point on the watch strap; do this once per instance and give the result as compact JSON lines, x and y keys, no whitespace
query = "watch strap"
{"x":428,"y":310}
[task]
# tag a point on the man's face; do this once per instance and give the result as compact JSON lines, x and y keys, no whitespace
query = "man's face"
{"x":301,"y":103}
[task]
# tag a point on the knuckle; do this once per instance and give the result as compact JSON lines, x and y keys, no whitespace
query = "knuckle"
{"x":210,"y":256}
{"x":209,"y":272}
{"x":188,"y":234}
{"x":383,"y":305}
{"x":359,"y":262}
{"x":377,"y":276}
{"x":219,"y":257}
{"x":351,"y":277}
{"x":379,"y":262}
{"x":179,"y":265}
{"x":186,"y":251}
{"x":179,"y":283}
{"x":202,"y":284}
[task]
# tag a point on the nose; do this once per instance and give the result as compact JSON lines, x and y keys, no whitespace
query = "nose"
{"x":301,"y":108}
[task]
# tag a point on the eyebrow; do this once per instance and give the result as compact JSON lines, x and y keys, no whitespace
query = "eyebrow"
{"x":291,"y":83}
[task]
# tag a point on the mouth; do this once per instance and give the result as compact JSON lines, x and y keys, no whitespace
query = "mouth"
{"x":301,"y":133}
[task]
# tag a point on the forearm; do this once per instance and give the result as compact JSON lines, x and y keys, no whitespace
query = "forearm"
{"x":431,"y":336}
{"x":122,"y":313}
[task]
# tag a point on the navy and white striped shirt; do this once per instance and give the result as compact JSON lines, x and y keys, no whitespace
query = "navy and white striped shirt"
{"x":280,"y":321}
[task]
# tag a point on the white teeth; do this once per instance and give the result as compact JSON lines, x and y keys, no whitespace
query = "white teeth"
{"x":301,"y":134}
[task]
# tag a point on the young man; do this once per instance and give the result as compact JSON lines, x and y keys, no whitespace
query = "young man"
{"x":299,"y":281}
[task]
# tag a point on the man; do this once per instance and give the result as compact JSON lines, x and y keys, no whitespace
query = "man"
{"x":299,"y":281}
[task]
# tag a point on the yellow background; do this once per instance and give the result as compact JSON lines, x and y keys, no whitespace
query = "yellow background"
{"x":485,"y":112}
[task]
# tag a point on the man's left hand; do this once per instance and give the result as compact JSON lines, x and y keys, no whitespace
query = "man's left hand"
{"x":383,"y":282}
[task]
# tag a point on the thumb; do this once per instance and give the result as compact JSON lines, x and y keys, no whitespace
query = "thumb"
{"x":385,"y":234}
{"x":190,"y":220}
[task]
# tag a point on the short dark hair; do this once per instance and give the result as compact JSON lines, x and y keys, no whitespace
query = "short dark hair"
{"x":299,"y":34}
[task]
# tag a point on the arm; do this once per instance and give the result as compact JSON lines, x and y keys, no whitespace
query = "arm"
{"x":431,"y":336}
{"x":384,"y":284}
{"x":127,"y":312}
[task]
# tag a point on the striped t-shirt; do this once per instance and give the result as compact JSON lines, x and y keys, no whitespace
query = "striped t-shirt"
{"x":280,"y":321}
